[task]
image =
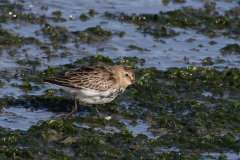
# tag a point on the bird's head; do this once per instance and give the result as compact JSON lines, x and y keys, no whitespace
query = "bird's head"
{"x":126,"y":77}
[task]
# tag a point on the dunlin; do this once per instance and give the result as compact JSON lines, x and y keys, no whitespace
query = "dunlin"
{"x":96,"y":84}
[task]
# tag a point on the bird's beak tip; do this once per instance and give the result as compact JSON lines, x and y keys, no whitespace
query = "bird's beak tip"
{"x":136,"y":86}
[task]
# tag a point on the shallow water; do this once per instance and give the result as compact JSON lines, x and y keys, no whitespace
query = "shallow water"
{"x":22,"y":118}
{"x":163,"y":53}
{"x":169,"y":54}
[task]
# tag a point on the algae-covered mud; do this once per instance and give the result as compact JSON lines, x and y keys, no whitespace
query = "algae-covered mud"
{"x":186,"y":58}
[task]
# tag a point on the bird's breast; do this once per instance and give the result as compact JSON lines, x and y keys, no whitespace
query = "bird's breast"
{"x":91,"y":96}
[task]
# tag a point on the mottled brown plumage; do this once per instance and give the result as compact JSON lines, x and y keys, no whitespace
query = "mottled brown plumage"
{"x":97,"y":77}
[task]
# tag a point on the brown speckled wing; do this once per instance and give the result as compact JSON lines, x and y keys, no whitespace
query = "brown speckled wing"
{"x":97,"y":77}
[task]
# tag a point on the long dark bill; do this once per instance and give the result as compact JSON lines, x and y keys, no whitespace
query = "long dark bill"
{"x":136,"y":86}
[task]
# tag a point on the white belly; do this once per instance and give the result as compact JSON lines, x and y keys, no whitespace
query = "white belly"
{"x":91,"y":96}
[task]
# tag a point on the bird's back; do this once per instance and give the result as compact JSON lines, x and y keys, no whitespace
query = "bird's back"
{"x":97,"y":77}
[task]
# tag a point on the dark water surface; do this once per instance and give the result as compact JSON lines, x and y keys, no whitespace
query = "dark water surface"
{"x":38,"y":34}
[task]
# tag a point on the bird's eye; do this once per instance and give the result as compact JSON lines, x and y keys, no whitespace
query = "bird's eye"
{"x":126,"y":75}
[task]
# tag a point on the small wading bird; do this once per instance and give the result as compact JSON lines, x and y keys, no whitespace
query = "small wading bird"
{"x":96,"y":84}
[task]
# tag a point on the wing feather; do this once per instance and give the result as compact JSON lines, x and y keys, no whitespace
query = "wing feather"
{"x":97,"y":77}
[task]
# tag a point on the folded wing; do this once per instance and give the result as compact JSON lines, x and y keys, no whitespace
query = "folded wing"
{"x":97,"y":77}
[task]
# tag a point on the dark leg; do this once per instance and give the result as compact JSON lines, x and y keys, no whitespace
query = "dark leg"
{"x":75,"y":108}
{"x":94,"y":106}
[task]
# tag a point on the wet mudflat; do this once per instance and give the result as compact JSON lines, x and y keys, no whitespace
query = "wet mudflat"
{"x":186,"y":58}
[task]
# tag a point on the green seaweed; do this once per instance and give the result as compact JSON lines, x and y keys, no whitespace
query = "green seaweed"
{"x":61,"y":126}
{"x":51,"y":91}
{"x":57,"y":13}
{"x":138,"y":48}
{"x":175,"y":105}
{"x":127,"y":63}
{"x":193,"y":109}
{"x":230,"y":48}
{"x":94,"y":60}
{"x":212,"y":43}
{"x":93,"y":141}
{"x":49,"y":72}
{"x":1,"y":83}
{"x":98,"y":31}
{"x":206,"y":21}
{"x":57,"y":33}
{"x":26,"y":85}
{"x":207,"y":62}
{"x":83,"y":17}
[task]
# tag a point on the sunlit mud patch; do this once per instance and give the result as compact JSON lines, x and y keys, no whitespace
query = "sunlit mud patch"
{"x":106,"y":129}
{"x":226,"y":155}
{"x":22,"y":118}
{"x":140,"y":128}
{"x":207,"y":94}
